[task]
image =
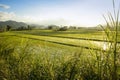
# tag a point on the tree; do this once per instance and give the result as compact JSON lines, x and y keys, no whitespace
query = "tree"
{"x":63,"y":28}
{"x":8,"y":28}
{"x":29,"y":28}
{"x":53,"y":27}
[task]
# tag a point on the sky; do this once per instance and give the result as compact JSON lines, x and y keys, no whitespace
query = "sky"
{"x":85,"y":13}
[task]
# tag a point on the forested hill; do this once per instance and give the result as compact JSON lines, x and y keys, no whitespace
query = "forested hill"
{"x":13,"y":24}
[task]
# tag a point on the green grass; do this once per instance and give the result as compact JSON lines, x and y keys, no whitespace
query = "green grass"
{"x":86,"y":34}
{"x":62,"y":55}
{"x":65,"y":41}
{"x":26,"y":56}
{"x":23,"y":58}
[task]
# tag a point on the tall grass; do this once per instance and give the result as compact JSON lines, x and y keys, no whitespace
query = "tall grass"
{"x":111,"y":32}
{"x":20,"y":62}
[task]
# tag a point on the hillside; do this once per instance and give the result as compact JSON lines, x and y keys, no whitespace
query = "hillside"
{"x":13,"y":24}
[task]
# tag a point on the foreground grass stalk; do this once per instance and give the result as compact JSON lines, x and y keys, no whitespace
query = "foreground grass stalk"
{"x":111,"y":32}
{"x":115,"y":42}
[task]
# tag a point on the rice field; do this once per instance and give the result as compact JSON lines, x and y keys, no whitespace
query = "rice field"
{"x":49,"y":55}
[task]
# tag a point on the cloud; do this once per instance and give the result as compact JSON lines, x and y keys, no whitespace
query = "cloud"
{"x":58,"y":21}
{"x":7,"y":16}
{"x":4,"y":6}
{"x":4,"y":16}
{"x":64,"y":20}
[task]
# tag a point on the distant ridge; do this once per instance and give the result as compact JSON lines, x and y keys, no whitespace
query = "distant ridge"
{"x":16,"y":25}
{"x":13,"y":24}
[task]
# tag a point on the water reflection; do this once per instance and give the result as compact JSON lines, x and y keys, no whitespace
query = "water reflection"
{"x":102,"y":45}
{"x":105,"y":46}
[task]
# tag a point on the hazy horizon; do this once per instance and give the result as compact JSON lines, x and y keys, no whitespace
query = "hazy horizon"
{"x":58,"y":12}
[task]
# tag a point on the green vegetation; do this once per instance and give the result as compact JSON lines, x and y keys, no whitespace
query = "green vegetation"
{"x":40,"y":56}
{"x":74,"y":54}
{"x":34,"y":59}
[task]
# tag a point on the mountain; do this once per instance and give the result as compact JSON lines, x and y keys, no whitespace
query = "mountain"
{"x":19,"y":25}
{"x":13,"y":24}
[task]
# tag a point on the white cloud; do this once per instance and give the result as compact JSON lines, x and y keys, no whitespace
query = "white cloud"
{"x":59,"y":19}
{"x":6,"y":16}
{"x":4,"y":6}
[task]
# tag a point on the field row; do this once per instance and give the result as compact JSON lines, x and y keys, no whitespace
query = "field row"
{"x":91,"y":36}
{"x":40,"y":45}
{"x":33,"y":57}
{"x":65,"y":41}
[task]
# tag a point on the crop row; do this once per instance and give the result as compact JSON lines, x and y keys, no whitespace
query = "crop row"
{"x":87,"y":44}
